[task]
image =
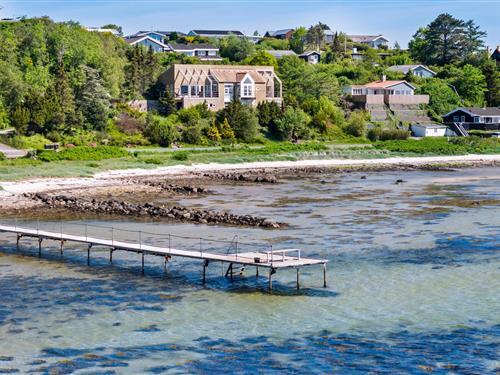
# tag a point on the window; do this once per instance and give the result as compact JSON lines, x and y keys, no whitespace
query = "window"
{"x":196,"y":90}
{"x":358,"y":92}
{"x":247,"y":89}
{"x":184,"y":90}
{"x":476,"y":119}
{"x":456,"y":119}
{"x":463,"y":119}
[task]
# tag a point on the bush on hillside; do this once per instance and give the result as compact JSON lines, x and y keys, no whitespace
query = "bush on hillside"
{"x":84,"y":153}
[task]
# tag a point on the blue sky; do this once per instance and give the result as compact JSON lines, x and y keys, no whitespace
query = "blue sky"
{"x":396,"y":19}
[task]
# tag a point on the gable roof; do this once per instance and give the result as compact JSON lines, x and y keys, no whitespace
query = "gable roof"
{"x":474,"y":111}
{"x":235,"y":75}
{"x":278,"y":32}
{"x":405,"y":68}
{"x":309,"y":53}
{"x":217,"y":32}
{"x":144,"y":33}
{"x":386,"y":84}
{"x":280,"y":53}
{"x":366,"y":38}
{"x":192,"y":47}
{"x":496,"y":54}
{"x":134,"y":40}
{"x":164,"y":33}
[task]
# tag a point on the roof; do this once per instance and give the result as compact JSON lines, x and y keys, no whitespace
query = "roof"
{"x":473,"y":111}
{"x":226,"y":75}
{"x":385,"y":84}
{"x":430,"y":126}
{"x":134,"y":40}
{"x":496,"y":54}
{"x":192,"y":47}
{"x":280,"y":53}
{"x":308,"y":53}
{"x":366,"y":38}
{"x":217,"y":32}
{"x":164,"y":33}
{"x":279,"y":32}
{"x":405,"y":68}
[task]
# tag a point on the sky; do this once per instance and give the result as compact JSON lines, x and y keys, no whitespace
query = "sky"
{"x":396,"y":19}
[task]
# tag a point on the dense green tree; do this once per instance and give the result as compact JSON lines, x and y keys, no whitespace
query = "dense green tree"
{"x":4,"y":116}
{"x":491,"y":73}
{"x":472,"y":39}
{"x":470,"y":84}
{"x":93,"y":100}
{"x":167,"y":104}
{"x":442,"y":97}
{"x":161,"y":130}
{"x":297,"y":41}
{"x":225,"y":130}
{"x":20,"y":119}
{"x":293,"y":125}
{"x":268,"y":113}
{"x":315,"y":36}
{"x":236,"y":48}
{"x":242,"y":119}
{"x":262,"y":58}
{"x":356,"y":125}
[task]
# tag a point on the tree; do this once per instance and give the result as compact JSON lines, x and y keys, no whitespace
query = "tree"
{"x":4,"y":116}
{"x":470,"y":84}
{"x":268,"y":113}
{"x":94,"y":100}
{"x":293,"y":125}
{"x":225,"y":131}
{"x":242,"y":119}
{"x":262,"y":58}
{"x":297,"y":40}
{"x":472,"y":39}
{"x":356,"y":125}
{"x":492,"y":76}
{"x":315,"y":36}
{"x":20,"y":119}
{"x":236,"y":48}
{"x":167,"y":104}
{"x":397,"y":47}
{"x":213,"y":133}
{"x":442,"y":98}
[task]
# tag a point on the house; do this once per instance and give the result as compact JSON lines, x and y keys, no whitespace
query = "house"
{"x":374,"y":41}
{"x":280,"y":53}
{"x":329,"y":36}
{"x":280,"y":34}
{"x":385,"y":92}
{"x":431,"y":130}
{"x":218,"y":85}
{"x":474,"y":118}
{"x":360,"y":55}
{"x":162,"y":36}
{"x":201,"y":51}
{"x":496,"y":55}
{"x":148,"y":42}
{"x":417,"y":70}
{"x":312,"y":57}
{"x":217,"y":34}
{"x":101,"y":30}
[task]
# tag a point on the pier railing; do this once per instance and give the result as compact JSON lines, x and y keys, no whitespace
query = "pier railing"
{"x":117,"y":236}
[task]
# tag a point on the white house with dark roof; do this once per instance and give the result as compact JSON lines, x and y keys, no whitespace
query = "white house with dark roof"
{"x":147,"y":42}
{"x":417,"y":70}
{"x":203,"y":51}
{"x":312,"y":57}
{"x":374,"y":41}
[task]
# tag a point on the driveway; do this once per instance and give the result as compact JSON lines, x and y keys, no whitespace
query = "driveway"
{"x":11,"y":153}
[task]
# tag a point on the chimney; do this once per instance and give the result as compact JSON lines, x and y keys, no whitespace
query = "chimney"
{"x":384,"y":78}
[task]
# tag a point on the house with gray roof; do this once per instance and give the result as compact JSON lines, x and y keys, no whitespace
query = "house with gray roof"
{"x":472,"y":118}
{"x":147,"y":42}
{"x":312,"y":57}
{"x":374,"y":41}
{"x":416,"y":70}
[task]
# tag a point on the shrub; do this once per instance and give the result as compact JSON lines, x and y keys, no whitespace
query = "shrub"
{"x":2,"y":157}
{"x":156,"y":161}
{"x":35,"y":142}
{"x":431,"y":145}
{"x":84,"y":153}
{"x":377,"y":134}
{"x":161,"y":131}
{"x":180,"y":155}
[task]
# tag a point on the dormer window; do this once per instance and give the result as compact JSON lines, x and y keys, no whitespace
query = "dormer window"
{"x":247,"y":88}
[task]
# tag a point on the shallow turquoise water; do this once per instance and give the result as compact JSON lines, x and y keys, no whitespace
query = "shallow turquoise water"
{"x":414,"y":286}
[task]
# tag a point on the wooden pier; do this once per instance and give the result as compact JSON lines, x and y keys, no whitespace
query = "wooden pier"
{"x":267,"y":258}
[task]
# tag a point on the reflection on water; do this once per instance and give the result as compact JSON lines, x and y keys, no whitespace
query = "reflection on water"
{"x":414,"y":277}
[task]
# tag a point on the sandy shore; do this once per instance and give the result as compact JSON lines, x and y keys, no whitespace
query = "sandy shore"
{"x":11,"y":192}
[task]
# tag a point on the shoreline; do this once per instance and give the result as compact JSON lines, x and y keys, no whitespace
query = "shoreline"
{"x":113,"y":177}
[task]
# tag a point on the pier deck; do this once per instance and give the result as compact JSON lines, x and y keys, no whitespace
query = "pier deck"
{"x":270,"y":259}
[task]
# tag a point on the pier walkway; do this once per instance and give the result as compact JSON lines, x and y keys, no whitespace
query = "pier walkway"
{"x":146,"y":243}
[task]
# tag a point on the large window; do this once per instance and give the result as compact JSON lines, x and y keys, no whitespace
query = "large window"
{"x":196,"y":90}
{"x":185,"y":90}
{"x":247,"y":88}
